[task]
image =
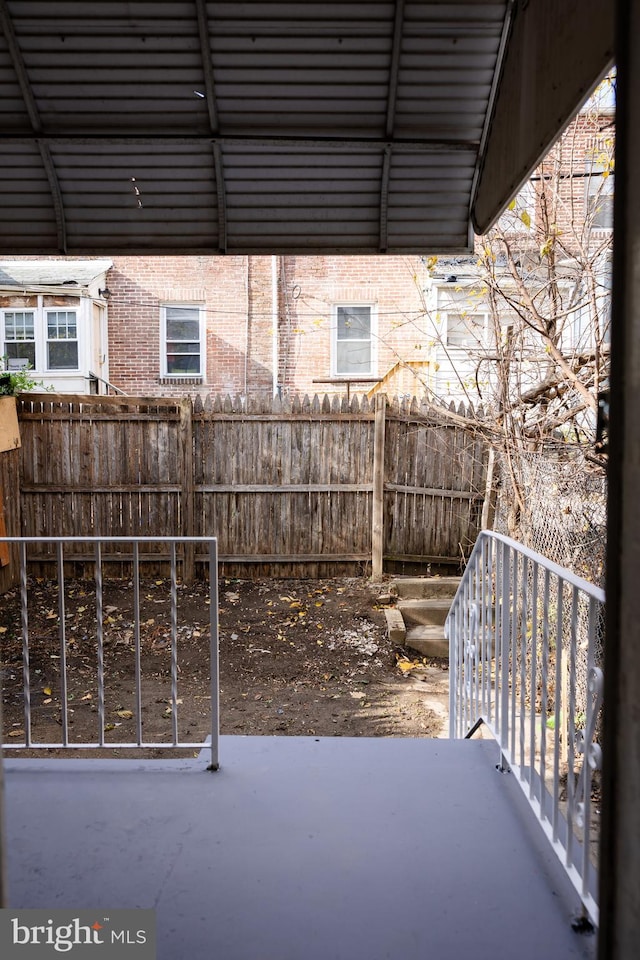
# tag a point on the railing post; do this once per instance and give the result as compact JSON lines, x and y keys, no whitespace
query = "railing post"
{"x":187,"y":487}
{"x":451,"y":633}
{"x":505,"y":641}
{"x":215,"y":654}
{"x":377,"y":509}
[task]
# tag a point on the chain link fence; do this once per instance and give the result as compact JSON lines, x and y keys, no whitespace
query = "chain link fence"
{"x":564,"y":518}
{"x":565,"y":513}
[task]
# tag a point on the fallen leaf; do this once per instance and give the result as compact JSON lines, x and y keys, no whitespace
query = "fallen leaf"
{"x":51,"y":615}
{"x":16,"y":733}
{"x":109,"y":726}
{"x":407,"y":665}
{"x":47,"y":691}
{"x":3,"y":629}
{"x":47,"y":700}
{"x":125,"y":714}
{"x":87,"y":696}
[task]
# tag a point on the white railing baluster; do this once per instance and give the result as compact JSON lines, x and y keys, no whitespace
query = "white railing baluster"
{"x":557,"y":726}
{"x":24,"y":623}
{"x":174,"y":645}
{"x":100,"y":643}
{"x":136,"y":640}
{"x":505,"y":644}
{"x":62,"y":634}
{"x":523,"y":657}
{"x":534,"y":680}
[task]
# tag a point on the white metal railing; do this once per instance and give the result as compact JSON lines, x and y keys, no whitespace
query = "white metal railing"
{"x":525,"y":646}
{"x":96,"y":643}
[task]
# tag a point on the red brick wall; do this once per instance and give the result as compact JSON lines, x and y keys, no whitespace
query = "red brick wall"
{"x":141,"y":285}
{"x":237,"y":293}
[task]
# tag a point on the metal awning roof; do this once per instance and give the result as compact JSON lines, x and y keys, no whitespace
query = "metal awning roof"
{"x":163,"y":126}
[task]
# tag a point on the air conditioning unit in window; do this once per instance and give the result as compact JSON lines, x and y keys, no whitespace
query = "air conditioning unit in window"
{"x":17,"y":363}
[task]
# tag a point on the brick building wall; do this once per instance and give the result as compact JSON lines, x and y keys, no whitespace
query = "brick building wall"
{"x":257,"y":308}
{"x":140,"y":286}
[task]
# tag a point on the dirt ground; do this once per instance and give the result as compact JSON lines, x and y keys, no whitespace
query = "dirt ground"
{"x":297,"y":657}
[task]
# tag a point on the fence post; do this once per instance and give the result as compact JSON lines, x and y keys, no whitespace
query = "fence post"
{"x":186,"y":483}
{"x":377,"y":510}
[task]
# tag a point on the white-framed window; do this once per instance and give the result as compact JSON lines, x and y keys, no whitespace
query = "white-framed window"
{"x":600,"y":185}
{"x":462,"y":317}
{"x":353,"y":340}
{"x":41,"y":338}
{"x":183,"y":339}
{"x":19,"y":338}
{"x":465,"y":329}
{"x":62,"y":339}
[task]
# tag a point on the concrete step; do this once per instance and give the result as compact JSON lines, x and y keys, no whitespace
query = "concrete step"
{"x":428,"y":641}
{"x":423,"y":588}
{"x":427,"y":612}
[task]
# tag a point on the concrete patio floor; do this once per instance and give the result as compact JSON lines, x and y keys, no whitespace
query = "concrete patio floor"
{"x":299,"y":849}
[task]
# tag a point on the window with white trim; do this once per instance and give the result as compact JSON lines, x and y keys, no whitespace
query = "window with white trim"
{"x":62,"y":339}
{"x":19,"y":340}
{"x":182,"y":341}
{"x":353,"y":350}
{"x":600,"y":196}
{"x":465,"y":329}
{"x":40,"y":338}
{"x":465,"y":320}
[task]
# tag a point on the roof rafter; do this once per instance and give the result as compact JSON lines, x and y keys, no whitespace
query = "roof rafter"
{"x":392,"y":90}
{"x":36,"y":123}
{"x":210,"y":94}
{"x":375,"y":144}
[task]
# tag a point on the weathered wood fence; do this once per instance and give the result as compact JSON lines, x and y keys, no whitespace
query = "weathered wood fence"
{"x":301,"y":487}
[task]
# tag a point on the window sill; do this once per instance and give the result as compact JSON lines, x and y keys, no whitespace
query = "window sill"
{"x":181,"y":381}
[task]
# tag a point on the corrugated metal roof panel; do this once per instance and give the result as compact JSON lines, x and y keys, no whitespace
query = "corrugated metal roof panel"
{"x":254,"y":126}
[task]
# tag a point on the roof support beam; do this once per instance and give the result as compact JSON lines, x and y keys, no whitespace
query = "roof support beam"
{"x":384,"y":200}
{"x":238,"y":140}
{"x":394,"y":69}
{"x":36,"y":123}
{"x":210,"y":93}
{"x":619,"y":866}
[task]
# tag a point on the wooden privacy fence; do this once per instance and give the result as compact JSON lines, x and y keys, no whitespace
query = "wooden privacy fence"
{"x":301,"y":487}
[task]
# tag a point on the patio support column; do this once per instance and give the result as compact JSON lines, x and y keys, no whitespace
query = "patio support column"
{"x":3,"y":842}
{"x":620,"y":850}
